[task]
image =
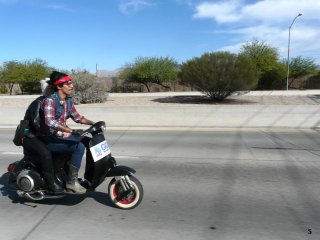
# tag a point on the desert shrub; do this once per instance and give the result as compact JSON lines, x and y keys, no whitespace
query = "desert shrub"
{"x":219,"y":74}
{"x":87,"y":88}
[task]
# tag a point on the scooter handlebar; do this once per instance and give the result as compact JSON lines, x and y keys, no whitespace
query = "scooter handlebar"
{"x":95,"y":127}
{"x":78,"y":132}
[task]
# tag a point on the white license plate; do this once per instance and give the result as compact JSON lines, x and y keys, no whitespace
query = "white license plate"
{"x":100,"y":150}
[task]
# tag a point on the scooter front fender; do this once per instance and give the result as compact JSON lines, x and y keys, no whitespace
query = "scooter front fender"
{"x":120,"y":171}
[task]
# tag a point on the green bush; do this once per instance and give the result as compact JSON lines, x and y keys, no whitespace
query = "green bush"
{"x":3,"y":89}
{"x":219,"y":74}
{"x":31,"y":87}
{"x":87,"y":88}
{"x":274,"y":78}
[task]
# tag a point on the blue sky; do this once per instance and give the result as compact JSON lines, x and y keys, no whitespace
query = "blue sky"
{"x":78,"y":34}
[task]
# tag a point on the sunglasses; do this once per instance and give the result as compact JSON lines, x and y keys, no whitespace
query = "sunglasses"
{"x":68,"y":83}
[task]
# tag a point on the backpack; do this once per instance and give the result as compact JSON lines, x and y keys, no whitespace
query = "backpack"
{"x":31,"y":122}
{"x":34,"y":119}
{"x":19,"y":133}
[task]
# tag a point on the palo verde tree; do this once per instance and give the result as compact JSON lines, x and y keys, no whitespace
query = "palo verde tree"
{"x":151,"y":70}
{"x":266,"y":58}
{"x":219,"y":74}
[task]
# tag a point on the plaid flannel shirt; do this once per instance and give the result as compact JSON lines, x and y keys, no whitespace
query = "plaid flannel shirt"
{"x":49,"y":106}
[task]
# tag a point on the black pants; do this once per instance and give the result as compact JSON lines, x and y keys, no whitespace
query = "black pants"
{"x":44,"y":156}
{"x":39,"y":149}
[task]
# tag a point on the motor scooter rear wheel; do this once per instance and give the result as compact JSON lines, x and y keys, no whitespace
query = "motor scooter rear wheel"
{"x":129,"y":200}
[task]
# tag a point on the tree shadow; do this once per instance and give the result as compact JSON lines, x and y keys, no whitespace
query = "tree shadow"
{"x":201,"y":100}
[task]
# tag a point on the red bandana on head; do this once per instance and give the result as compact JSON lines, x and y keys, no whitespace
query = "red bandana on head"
{"x":62,"y":80}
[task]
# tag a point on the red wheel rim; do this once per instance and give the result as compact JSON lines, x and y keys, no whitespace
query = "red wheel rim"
{"x":129,"y":198}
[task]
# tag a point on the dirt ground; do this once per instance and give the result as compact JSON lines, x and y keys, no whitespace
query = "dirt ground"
{"x":193,"y":100}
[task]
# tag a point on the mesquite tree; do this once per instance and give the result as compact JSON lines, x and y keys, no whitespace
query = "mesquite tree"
{"x":147,"y":71}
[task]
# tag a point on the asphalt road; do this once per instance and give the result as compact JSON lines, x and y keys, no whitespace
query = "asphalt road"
{"x":223,"y":184}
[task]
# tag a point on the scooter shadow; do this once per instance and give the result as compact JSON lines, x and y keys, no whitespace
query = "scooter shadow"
{"x":68,"y":199}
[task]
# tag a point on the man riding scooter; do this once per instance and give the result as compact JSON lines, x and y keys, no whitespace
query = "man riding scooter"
{"x":28,"y":177}
{"x":57,"y":108}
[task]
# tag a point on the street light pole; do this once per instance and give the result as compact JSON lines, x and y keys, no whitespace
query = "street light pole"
{"x":300,"y":14}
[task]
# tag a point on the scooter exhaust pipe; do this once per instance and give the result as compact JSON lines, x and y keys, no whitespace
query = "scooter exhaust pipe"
{"x":31,"y":197}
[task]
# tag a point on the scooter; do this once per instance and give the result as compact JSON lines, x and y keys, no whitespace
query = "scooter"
{"x":124,"y":190}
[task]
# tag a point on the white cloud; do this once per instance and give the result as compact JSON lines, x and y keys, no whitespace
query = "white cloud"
{"x":268,"y":11}
{"x":132,"y":6}
{"x":221,"y":12}
{"x":303,"y":39}
{"x":277,"y":11}
{"x":268,"y":21}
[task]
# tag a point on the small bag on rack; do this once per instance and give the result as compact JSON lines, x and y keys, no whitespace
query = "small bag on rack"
{"x":19,"y":133}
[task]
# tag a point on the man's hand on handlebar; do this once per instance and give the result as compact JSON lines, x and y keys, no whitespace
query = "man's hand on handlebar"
{"x":77,"y":132}
{"x":66,"y":134}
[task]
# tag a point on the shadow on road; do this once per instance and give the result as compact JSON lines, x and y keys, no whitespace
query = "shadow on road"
{"x":68,"y":199}
{"x":287,"y":148}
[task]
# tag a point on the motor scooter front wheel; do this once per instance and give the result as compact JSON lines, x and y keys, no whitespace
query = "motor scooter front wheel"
{"x":122,"y":199}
